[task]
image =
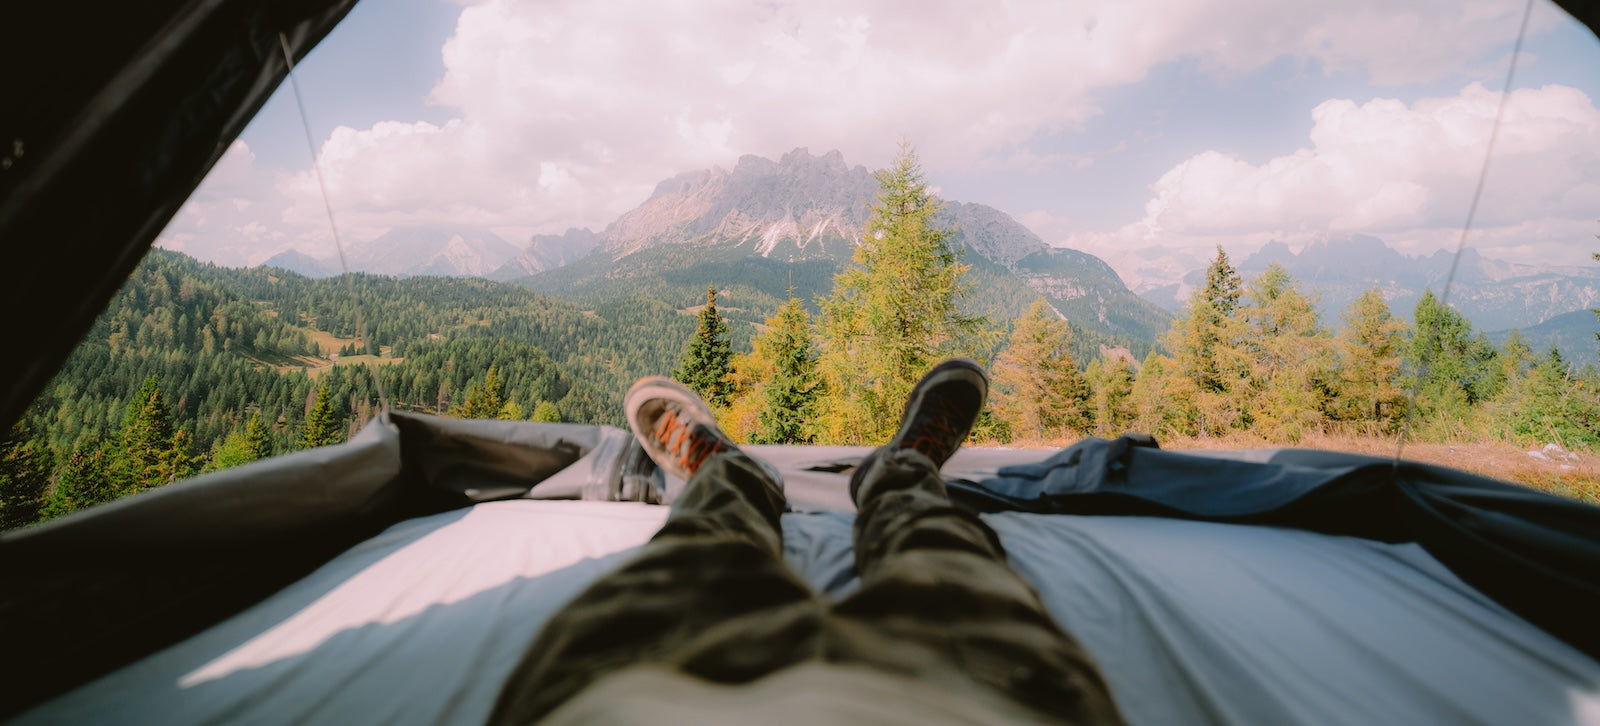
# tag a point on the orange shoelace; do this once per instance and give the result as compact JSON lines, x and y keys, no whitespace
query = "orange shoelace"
{"x":677,"y":436}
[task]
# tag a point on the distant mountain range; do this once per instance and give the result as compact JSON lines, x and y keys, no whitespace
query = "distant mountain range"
{"x":462,"y":251}
{"x":766,"y":226}
{"x":1493,"y":294}
{"x":1572,"y":333}
{"x":1548,"y":303}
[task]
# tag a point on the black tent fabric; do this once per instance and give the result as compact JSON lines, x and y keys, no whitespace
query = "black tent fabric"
{"x":114,"y":112}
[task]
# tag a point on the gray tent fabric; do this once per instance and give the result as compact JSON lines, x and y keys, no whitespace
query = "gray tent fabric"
{"x":1535,"y":553}
{"x":424,"y":590}
{"x":1192,"y":622}
{"x":94,"y":590}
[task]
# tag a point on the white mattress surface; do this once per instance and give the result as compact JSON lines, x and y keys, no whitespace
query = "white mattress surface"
{"x":1192,"y":622}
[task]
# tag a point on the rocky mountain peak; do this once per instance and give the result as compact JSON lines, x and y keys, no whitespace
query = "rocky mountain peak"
{"x":991,"y":233}
{"x":799,"y":206}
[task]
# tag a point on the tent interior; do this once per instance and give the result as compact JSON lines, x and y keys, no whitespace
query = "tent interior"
{"x":397,"y":577}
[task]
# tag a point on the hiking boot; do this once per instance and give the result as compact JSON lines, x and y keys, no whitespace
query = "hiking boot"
{"x":941,"y":410}
{"x":674,"y":425}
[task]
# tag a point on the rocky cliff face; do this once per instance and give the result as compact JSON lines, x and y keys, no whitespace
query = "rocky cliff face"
{"x":549,"y":251}
{"x":798,"y":207}
{"x":813,"y":209}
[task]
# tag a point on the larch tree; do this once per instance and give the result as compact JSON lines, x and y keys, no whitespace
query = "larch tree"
{"x":546,"y":412}
{"x":1290,"y":359}
{"x":1110,"y":388}
{"x":1369,"y":360}
{"x":1161,"y":399}
{"x":708,"y":360}
{"x":1039,"y":392}
{"x":894,"y":312}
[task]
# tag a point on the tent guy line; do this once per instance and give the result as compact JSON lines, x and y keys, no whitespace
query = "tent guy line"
{"x":338,"y":244}
{"x":1466,"y":227}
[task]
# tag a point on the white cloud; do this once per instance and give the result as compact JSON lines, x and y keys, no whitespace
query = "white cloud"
{"x":618,"y":97}
{"x":223,"y":220}
{"x":1397,"y":170}
{"x":568,"y":113}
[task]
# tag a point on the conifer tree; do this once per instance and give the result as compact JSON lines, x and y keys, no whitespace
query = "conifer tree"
{"x":546,"y":412}
{"x":707,"y":361}
{"x":894,"y":312}
{"x":1205,"y":342}
{"x":484,"y":398}
{"x":1160,"y":402}
{"x":25,"y":467}
{"x":1451,"y":369}
{"x":146,"y":429}
{"x":152,"y":453}
{"x":178,"y":461}
{"x":1290,"y":359}
{"x":87,"y":478}
{"x":1223,"y":284}
{"x":241,"y":447}
{"x":320,"y":429}
{"x":1553,"y":408}
{"x":511,"y":411}
{"x":257,"y":438}
{"x":788,"y":396}
{"x":1110,"y":387}
{"x":1369,"y":349}
{"x":1039,"y":392}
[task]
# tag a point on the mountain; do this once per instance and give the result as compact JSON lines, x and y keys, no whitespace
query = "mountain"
{"x":1493,"y":294}
{"x":447,"y":251}
{"x":766,"y":226}
{"x":798,"y":207}
{"x":300,"y":263}
{"x":547,"y":252}
{"x":1573,"y":333}
{"x":462,"y":251}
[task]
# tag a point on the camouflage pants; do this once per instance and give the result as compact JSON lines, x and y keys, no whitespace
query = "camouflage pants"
{"x":711,"y":596}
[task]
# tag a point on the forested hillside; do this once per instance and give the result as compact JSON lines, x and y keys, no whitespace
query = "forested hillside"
{"x":221,"y":348}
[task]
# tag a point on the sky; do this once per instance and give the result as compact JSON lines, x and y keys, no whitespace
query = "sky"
{"x":1125,"y":128}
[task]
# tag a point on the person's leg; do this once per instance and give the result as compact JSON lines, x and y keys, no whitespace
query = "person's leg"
{"x":709,"y":593}
{"x":936,"y":575}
